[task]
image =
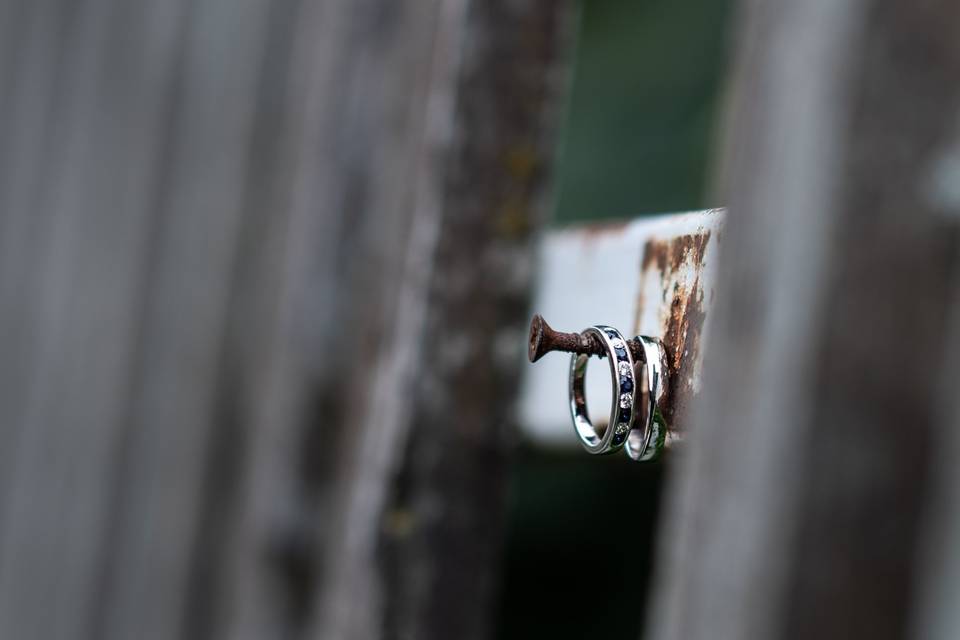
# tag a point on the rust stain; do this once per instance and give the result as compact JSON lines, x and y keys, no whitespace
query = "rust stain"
{"x":682,"y":342}
{"x":683,"y":328}
{"x":596,"y":231}
{"x":655,"y":252}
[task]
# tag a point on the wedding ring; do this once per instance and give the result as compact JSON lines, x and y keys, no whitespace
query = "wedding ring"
{"x":646,"y":439}
{"x":624,"y":393}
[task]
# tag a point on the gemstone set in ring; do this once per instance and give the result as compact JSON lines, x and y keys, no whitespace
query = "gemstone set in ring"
{"x":644,"y":440}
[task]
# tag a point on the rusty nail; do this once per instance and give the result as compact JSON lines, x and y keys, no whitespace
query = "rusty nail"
{"x":544,"y":339}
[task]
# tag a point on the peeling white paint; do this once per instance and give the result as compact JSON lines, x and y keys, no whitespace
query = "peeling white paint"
{"x":592,"y":275}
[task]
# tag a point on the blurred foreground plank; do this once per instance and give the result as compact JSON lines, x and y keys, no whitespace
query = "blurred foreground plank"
{"x":251,"y":255}
{"x":802,"y":507}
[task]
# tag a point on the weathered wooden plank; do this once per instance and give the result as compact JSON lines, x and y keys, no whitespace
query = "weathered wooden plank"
{"x":350,"y":600}
{"x":443,"y":523}
{"x":79,"y":203}
{"x":377,"y":93}
{"x":938,"y":556}
{"x":411,"y":553}
{"x":797,"y":511}
{"x":206,"y":209}
{"x":125,"y":195}
{"x":176,"y":400}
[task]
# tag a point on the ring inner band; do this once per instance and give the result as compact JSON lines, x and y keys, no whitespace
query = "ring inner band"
{"x":643,"y":442}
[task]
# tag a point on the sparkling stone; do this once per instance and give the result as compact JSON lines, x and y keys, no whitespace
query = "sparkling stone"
{"x":617,"y":343}
{"x":625,"y":368}
{"x":626,"y":385}
{"x":621,"y":353}
{"x":622,"y":428}
{"x":626,"y":400}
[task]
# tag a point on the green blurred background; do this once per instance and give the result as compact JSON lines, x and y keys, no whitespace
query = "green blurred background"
{"x":646,"y":84}
{"x":637,"y":140}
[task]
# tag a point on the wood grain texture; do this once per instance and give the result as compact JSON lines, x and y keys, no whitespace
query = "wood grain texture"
{"x":444,"y":518}
{"x":419,"y":486}
{"x":219,"y":225}
{"x":799,"y":510}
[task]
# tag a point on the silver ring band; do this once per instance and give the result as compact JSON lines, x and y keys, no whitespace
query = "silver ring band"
{"x":624,"y":393}
{"x":645,"y":442}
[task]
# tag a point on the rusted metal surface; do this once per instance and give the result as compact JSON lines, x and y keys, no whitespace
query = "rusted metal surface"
{"x":678,"y":263}
{"x":545,"y":339}
{"x":652,"y":277}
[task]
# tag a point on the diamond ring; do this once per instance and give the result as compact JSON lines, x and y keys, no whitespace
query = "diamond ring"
{"x":624,"y":393}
